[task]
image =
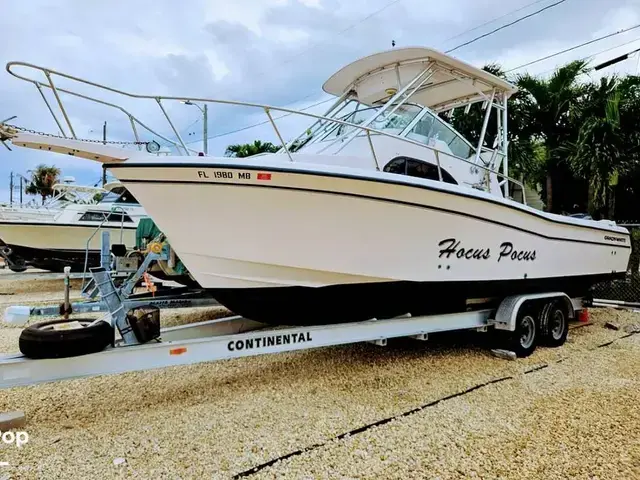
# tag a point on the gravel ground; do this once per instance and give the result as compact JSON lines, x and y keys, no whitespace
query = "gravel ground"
{"x":576,"y":418}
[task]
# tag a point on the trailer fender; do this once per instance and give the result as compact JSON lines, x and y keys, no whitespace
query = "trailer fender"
{"x":508,"y":310}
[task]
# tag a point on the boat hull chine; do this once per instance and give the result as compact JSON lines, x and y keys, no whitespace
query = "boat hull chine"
{"x":359,"y":302}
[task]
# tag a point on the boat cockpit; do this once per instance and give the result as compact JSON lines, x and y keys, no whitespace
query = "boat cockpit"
{"x":390,"y":104}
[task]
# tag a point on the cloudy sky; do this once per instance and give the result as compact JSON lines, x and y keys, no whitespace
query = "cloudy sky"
{"x":277,"y":52}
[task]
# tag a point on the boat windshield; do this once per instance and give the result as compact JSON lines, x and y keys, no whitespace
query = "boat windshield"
{"x":426,"y":127}
{"x":394,"y":122}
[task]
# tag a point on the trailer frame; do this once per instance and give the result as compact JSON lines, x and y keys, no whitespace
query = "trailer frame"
{"x":237,"y":337}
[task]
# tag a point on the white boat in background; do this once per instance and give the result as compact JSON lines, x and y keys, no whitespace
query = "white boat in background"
{"x":56,"y":239}
{"x":378,"y":209}
{"x":63,"y":195}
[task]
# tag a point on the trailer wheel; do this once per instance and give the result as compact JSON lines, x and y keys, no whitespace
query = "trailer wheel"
{"x":523,"y":340}
{"x":555,"y":327}
{"x":42,"y":340}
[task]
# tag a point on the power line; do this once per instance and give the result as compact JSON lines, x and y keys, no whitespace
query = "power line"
{"x":574,"y":47}
{"x":353,"y":25}
{"x":247,"y":127}
{"x":192,"y":124}
{"x":350,"y":27}
{"x":493,"y":20}
{"x":613,"y":61}
{"x":597,"y":53}
{"x":517,"y":20}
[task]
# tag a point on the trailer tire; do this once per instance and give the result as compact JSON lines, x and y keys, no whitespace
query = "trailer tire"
{"x":554,"y":327}
{"x":524,"y":339}
{"x":41,"y":341}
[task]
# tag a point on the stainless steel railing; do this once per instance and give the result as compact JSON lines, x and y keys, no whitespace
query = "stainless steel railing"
{"x":49,"y":74}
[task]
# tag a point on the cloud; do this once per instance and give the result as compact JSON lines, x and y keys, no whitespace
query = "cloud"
{"x":276,"y":52}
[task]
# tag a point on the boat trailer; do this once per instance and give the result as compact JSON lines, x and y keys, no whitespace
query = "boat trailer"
{"x":145,"y":346}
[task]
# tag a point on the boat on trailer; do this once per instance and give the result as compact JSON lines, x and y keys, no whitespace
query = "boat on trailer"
{"x":63,"y":194}
{"x":378,"y":209}
{"x":68,"y":236}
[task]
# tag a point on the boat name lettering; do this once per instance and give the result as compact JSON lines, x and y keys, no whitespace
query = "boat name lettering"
{"x":450,"y":247}
{"x":228,"y":174}
{"x":615,"y":239}
{"x":506,"y":250}
{"x":270,"y":341}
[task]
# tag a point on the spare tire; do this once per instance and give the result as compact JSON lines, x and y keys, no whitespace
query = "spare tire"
{"x":44,"y":340}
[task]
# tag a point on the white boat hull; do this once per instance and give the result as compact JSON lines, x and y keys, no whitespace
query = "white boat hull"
{"x":292,"y":228}
{"x":52,"y":244}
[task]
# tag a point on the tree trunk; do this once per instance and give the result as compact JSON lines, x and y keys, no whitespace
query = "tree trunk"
{"x":43,"y":197}
{"x":611,"y":202}
{"x":590,"y":203}
{"x":549,"y":199}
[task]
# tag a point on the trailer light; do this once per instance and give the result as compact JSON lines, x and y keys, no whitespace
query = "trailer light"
{"x":583,"y":315}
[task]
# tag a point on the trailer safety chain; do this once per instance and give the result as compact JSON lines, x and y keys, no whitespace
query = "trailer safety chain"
{"x":384,"y":421}
{"x":9,"y":131}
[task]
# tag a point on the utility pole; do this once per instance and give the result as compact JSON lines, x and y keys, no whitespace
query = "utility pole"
{"x":11,"y":188}
{"x":21,"y":177}
{"x":205,"y":142}
{"x":205,"y":139}
{"x":104,"y":140}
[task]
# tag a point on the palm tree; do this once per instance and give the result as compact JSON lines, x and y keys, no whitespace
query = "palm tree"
{"x":607,"y":145}
{"x":43,"y":178}
{"x":248,"y":149}
{"x":548,"y":121}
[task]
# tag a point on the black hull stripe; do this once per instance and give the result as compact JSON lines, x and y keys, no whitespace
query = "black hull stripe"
{"x":266,"y":168}
{"x":386,"y":200}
